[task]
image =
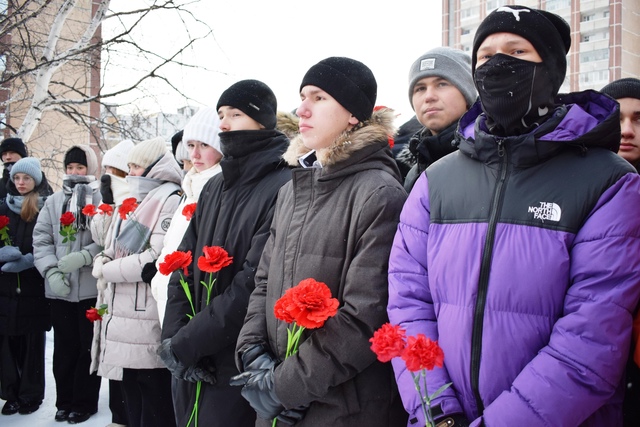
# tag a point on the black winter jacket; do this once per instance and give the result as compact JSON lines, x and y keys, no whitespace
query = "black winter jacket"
{"x":234,"y":211}
{"x":26,"y":310}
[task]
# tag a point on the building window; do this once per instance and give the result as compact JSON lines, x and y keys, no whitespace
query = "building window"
{"x":465,"y":31}
{"x":586,"y":18}
{"x":468,"y":12}
{"x":594,"y":77}
{"x":594,"y":55}
{"x":494,"y":4}
{"x":557,"y":4}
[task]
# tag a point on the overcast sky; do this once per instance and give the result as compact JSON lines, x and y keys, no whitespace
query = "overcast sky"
{"x":277,"y":42}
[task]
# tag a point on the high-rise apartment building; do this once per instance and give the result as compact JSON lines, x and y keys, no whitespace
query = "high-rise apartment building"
{"x":605,"y":35}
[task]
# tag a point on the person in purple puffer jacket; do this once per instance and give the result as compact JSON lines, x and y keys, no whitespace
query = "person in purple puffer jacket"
{"x":512,"y":251}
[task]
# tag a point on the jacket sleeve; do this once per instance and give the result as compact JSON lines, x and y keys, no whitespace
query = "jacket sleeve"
{"x":410,"y":303}
{"x":44,"y":239}
{"x":254,"y":330}
{"x":129,"y":269}
{"x":583,"y":364}
{"x":340,"y":350}
{"x":218,"y":325}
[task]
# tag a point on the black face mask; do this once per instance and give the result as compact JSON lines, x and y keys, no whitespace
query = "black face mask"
{"x":515,"y":94}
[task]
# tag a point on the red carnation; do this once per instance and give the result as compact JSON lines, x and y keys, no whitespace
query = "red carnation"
{"x":189,"y":210}
{"x":214,"y":259}
{"x":89,"y":210}
{"x":128,"y":205}
{"x":106,"y":209}
{"x":310,"y":303}
{"x":94,"y":313}
{"x":177,"y":260}
{"x":280,"y":309}
{"x":4,"y":221}
{"x":67,"y":218}
{"x":422,"y":353}
{"x":388,"y":342}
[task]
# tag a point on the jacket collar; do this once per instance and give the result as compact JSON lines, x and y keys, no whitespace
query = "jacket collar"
{"x":251,"y":154}
{"x":379,"y":128}
{"x":582,"y":121}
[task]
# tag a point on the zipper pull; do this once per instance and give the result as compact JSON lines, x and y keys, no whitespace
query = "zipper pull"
{"x":500,"y":142}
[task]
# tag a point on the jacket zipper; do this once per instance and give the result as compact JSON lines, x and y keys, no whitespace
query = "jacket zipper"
{"x":483,"y":283}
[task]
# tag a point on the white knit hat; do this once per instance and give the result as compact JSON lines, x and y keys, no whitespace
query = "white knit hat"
{"x":182,"y":153}
{"x":145,"y":153}
{"x":204,"y":126}
{"x":116,"y":156}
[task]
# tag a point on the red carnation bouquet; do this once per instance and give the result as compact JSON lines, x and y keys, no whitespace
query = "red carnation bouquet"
{"x":214,"y":259}
{"x":189,"y":210}
{"x":305,"y":306}
{"x":103,"y":210}
{"x":127,"y":207}
{"x":420,"y":355}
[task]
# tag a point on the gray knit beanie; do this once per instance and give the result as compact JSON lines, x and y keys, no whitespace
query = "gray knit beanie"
{"x":448,"y":63}
{"x":623,"y":88}
{"x":30,"y":166}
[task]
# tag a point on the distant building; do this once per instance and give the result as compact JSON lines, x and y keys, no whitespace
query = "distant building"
{"x":605,"y":35}
{"x":141,"y":126}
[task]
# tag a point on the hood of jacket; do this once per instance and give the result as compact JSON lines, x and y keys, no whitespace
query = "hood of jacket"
{"x":582,"y":120}
{"x":92,"y":160}
{"x":166,"y":169}
{"x":347,"y":153}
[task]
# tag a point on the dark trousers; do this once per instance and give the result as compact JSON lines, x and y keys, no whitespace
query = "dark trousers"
{"x":76,"y":389}
{"x":116,"y":403}
{"x":147,"y":397}
{"x":22,"y":367}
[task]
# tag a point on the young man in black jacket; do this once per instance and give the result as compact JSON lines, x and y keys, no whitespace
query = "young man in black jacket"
{"x":234,"y":211}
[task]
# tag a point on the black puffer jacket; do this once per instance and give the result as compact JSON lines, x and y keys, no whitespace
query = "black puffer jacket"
{"x":26,"y":310}
{"x":234,"y":211}
{"x":426,"y":149}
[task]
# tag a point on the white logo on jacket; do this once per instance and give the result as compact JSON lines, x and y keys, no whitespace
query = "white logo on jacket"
{"x":546,"y":212}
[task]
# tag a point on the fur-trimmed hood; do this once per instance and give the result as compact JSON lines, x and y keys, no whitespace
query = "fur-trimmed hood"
{"x":378,"y":128}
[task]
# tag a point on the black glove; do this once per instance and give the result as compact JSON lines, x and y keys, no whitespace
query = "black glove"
{"x":170,"y":360}
{"x":258,"y":385}
{"x":105,"y":189}
{"x":204,"y":371}
{"x":292,"y":416}
{"x":149,"y":271}
{"x":250,"y":355}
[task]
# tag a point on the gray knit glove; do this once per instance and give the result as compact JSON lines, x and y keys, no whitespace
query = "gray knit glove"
{"x":58,"y":282}
{"x":74,"y":260}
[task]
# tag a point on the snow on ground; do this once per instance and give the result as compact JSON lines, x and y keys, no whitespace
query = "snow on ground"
{"x":43,"y":417}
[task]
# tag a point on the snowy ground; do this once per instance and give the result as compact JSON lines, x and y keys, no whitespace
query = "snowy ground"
{"x":43,"y":417}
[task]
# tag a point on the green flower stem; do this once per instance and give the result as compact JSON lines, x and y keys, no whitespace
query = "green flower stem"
{"x":194,"y":411}
{"x":187,"y":292}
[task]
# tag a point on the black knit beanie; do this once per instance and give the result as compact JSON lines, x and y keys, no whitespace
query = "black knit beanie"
{"x":13,"y":144}
{"x":348,"y":81}
{"x":253,"y":98}
{"x":75,"y":155}
{"x":549,"y":34}
{"x":623,"y":88}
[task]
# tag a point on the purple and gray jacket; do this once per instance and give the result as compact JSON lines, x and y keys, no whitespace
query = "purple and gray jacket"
{"x":520,"y":255}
